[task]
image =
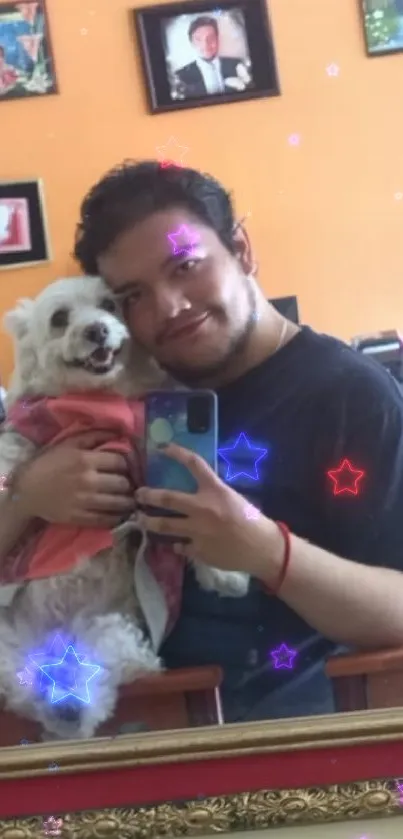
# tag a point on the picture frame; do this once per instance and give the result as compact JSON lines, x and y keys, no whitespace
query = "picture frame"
{"x":26,"y":56}
{"x":24,"y":239}
{"x":383,"y":26}
{"x":199,"y":55}
{"x":220,"y":779}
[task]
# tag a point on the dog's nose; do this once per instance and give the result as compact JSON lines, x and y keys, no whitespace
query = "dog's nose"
{"x":68,"y":713}
{"x":97,"y":333}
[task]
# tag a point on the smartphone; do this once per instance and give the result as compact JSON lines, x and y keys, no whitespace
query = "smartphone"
{"x":188,"y":418}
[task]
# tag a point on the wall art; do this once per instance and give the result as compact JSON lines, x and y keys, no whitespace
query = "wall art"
{"x":23,"y":229}
{"x":26,"y":60}
{"x":383,"y":26}
{"x":208,"y":56}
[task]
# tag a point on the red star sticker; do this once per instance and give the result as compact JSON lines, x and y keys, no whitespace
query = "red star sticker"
{"x":345,"y":478}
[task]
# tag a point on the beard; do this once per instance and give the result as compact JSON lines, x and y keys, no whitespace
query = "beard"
{"x":196,"y":375}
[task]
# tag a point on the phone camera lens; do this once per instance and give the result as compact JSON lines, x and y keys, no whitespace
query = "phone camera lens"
{"x":198,"y":414}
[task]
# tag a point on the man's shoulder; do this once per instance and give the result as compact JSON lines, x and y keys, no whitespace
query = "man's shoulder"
{"x":187,"y":70}
{"x":353,"y":373}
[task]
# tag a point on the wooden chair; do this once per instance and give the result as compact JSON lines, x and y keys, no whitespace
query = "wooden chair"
{"x":367,"y":680}
{"x":175,"y":699}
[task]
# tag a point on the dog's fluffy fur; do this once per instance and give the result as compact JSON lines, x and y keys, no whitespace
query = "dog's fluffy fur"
{"x":95,"y":605}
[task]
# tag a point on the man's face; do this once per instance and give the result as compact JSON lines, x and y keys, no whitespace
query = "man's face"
{"x":205,"y":42}
{"x":191,"y":310}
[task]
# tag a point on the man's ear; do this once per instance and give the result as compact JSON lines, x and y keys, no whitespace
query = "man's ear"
{"x":243,"y":249}
{"x":16,"y":321}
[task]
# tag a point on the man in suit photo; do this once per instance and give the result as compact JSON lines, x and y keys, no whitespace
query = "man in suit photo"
{"x":210,"y":73}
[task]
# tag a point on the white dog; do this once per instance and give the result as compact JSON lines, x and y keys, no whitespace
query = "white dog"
{"x":70,"y":338}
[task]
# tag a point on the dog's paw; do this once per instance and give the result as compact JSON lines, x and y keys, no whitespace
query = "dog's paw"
{"x":225,"y":583}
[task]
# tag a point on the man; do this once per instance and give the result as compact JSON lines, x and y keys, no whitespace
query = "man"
{"x":209,"y":73}
{"x":293,"y":407}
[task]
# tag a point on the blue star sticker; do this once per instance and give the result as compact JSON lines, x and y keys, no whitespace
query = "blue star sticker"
{"x":243,"y":451}
{"x":52,"y":655}
{"x":70,"y":676}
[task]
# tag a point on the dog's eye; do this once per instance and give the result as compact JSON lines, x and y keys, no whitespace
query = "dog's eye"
{"x":60,"y":319}
{"x":108,"y":304}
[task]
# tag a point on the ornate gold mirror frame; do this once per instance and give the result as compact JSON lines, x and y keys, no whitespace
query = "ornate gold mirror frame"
{"x":205,"y":780}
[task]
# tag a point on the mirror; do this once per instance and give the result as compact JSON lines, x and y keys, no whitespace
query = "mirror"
{"x":294,"y":606}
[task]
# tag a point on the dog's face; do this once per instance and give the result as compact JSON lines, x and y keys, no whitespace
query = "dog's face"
{"x":72,"y":336}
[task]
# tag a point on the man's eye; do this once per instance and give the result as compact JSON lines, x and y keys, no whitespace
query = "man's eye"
{"x":131,"y":298}
{"x":187,"y":265}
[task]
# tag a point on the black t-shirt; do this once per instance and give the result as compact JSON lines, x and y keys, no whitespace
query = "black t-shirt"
{"x":283,"y":426}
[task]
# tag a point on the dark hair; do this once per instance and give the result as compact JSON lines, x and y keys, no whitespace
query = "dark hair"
{"x":202,"y":21}
{"x":132,"y":191}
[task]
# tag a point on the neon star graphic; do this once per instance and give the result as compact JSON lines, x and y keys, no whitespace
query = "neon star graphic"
{"x":70,"y":677}
{"x":68,"y":672}
{"x":283,"y":657}
{"x":345,"y":478}
{"x":183,"y":240}
{"x":171,"y":153}
{"x":242,"y":451}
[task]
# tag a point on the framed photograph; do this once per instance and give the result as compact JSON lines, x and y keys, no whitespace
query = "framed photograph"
{"x":26,"y":60}
{"x":383,"y":26}
{"x":23,"y":230}
{"x":206,"y":56}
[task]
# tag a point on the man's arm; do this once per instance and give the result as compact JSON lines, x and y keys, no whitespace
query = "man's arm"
{"x":359,"y":600}
{"x":345,"y":601}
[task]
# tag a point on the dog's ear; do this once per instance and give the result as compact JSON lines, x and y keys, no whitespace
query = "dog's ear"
{"x":16,"y":321}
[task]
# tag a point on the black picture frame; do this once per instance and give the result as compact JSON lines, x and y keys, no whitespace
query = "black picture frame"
{"x":383,"y":32}
{"x":31,"y":198}
{"x":258,"y":42}
{"x":27,"y":66}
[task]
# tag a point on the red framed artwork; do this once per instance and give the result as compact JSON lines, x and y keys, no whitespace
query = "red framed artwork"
{"x":23,"y":229}
{"x":208,"y":780}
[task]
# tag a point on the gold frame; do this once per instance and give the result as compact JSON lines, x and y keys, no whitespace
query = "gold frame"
{"x":218,"y":814}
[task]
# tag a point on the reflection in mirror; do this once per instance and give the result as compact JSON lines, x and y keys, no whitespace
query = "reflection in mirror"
{"x":165,"y":566}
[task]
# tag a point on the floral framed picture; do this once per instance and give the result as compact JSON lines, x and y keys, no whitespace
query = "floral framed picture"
{"x":23,"y":229}
{"x":26,"y":59}
{"x":383,"y":26}
{"x":202,"y":54}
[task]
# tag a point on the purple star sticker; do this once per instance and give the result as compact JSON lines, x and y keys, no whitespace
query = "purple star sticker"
{"x":183,"y":240}
{"x":242,"y":450}
{"x":283,"y":657}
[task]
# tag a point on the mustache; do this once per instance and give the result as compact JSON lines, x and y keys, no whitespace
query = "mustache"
{"x":181,"y":321}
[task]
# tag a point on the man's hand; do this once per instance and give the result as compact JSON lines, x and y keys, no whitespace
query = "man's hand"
{"x":70,"y":484}
{"x":219,"y":524}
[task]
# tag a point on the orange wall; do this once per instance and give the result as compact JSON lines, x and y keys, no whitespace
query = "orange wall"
{"x":324,"y":217}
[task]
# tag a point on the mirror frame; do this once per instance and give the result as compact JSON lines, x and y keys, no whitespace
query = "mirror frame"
{"x":214,"y":779}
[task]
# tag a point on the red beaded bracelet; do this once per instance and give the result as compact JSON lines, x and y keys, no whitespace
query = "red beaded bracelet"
{"x":284,"y":530}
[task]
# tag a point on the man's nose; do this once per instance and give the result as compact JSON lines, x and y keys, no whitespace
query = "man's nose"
{"x":97,"y":333}
{"x":170,"y":302}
